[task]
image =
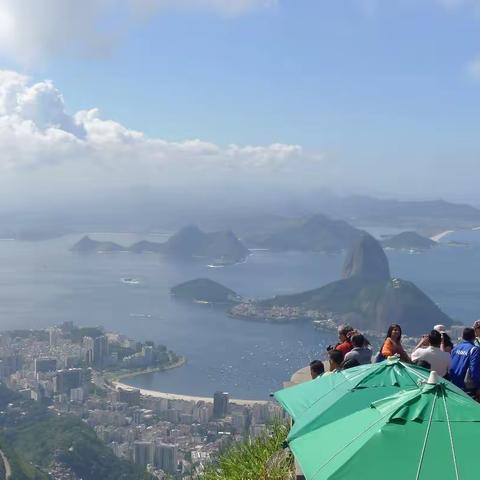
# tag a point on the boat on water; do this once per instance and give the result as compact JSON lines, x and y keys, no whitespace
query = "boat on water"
{"x":131,"y":281}
{"x":140,"y":315}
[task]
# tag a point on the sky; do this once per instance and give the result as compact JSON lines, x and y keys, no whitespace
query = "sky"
{"x":367,"y":96}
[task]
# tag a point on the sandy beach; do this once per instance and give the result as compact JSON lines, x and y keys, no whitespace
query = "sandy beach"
{"x":188,"y":398}
{"x":439,"y":236}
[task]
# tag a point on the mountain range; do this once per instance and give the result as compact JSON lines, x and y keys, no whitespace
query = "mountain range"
{"x":190,"y":242}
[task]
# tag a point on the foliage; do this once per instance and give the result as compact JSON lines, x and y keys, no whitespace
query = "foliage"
{"x":21,"y":469}
{"x":68,"y":440}
{"x":262,"y":458}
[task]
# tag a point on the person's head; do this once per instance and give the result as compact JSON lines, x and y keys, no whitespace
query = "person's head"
{"x":476,"y":327}
{"x":352,"y":362}
{"x":435,"y":338}
{"x":316,"y":368}
{"x":343,"y":332}
{"x":440,"y":328}
{"x":335,"y":359}
{"x":447,"y":342}
{"x":423,"y":364}
{"x":468,"y":334}
{"x":394,"y":332}
{"x":358,"y":340}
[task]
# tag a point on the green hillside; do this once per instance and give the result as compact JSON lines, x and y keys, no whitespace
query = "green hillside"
{"x":34,"y":438}
{"x":262,"y":458}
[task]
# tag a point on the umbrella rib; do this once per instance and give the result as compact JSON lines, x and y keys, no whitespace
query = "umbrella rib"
{"x":457,"y":476}
{"x":411,"y":370}
{"x":422,"y":455}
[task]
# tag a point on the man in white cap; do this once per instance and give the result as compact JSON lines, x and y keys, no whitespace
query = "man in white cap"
{"x":428,"y":349}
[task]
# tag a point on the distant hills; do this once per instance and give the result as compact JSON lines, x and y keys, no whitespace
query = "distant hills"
{"x":190,"y":242}
{"x":87,"y":245}
{"x":409,"y":241}
{"x":370,"y":211}
{"x":366,"y":296}
{"x":318,"y":233}
{"x":366,"y":261}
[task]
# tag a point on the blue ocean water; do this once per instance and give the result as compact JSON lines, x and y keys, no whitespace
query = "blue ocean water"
{"x":43,"y":283}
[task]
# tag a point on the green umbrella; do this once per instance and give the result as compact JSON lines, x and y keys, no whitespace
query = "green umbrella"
{"x":340,"y":393}
{"x":418,"y":434}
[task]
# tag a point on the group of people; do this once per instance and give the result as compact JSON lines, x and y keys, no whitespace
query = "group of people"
{"x":435,"y":351}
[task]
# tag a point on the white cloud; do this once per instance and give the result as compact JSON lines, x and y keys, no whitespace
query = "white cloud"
{"x":37,"y":135}
{"x":34,"y":30}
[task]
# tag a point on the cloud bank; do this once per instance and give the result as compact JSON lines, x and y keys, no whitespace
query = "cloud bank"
{"x":32,"y":31}
{"x":41,"y":140}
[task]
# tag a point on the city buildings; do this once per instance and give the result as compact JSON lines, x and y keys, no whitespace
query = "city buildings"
{"x":175,"y":437}
{"x":220,"y":404}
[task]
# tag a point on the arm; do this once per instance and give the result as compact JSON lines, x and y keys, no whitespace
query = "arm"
{"x":474,"y":366}
{"x":421,"y":343}
{"x":417,"y":353}
{"x":404,"y":355}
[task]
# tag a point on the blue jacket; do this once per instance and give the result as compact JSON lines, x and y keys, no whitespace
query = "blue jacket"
{"x":465,"y":357}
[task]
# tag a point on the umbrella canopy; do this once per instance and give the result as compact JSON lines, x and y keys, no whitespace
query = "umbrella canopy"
{"x":419,"y":434}
{"x":348,"y":390}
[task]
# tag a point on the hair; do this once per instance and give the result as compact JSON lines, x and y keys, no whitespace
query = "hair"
{"x":447,"y":341}
{"x":316,"y":366}
{"x":352,"y":362}
{"x":358,"y":340}
{"x":423,"y":364}
{"x":335,"y":356}
{"x":468,"y":334}
{"x":344,"y":330}
{"x":435,"y":338}
{"x":390,"y":330}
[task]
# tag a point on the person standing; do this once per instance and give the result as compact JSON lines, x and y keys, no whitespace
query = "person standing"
{"x":360,"y":351}
{"x":476,"y":328}
{"x":344,"y":333}
{"x":428,"y":349}
{"x":465,"y":367}
{"x":393,"y":344}
{"x":335,"y":360}
{"x":317,"y":369}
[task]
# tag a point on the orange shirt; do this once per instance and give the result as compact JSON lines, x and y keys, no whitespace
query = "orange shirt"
{"x":344,"y":347}
{"x":391,"y":348}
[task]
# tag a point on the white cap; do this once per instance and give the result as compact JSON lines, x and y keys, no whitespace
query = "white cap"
{"x":433,"y":378}
{"x":440,"y":328}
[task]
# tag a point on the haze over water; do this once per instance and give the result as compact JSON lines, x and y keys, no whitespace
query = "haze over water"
{"x":43,"y":283}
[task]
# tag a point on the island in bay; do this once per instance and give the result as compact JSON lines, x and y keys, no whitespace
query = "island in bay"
{"x":409,"y":240}
{"x":218,"y":248}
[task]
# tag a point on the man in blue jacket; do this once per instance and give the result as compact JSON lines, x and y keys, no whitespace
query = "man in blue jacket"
{"x":466,"y":359}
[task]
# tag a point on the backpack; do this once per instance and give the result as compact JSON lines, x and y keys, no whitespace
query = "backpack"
{"x":379,"y":357}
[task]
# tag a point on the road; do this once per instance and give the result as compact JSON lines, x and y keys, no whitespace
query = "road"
{"x":6,"y":464}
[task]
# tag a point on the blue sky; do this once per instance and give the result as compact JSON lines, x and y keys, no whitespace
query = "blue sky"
{"x":383,"y":86}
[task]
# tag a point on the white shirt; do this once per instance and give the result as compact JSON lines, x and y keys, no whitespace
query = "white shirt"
{"x":439,"y":360}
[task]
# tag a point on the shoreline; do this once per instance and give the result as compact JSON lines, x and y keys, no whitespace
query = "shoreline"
{"x":439,"y":236}
{"x":117,"y":383}
{"x":187,"y":398}
{"x":180,"y":363}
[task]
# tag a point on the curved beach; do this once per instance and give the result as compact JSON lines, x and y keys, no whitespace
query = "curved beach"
{"x":187,"y":398}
